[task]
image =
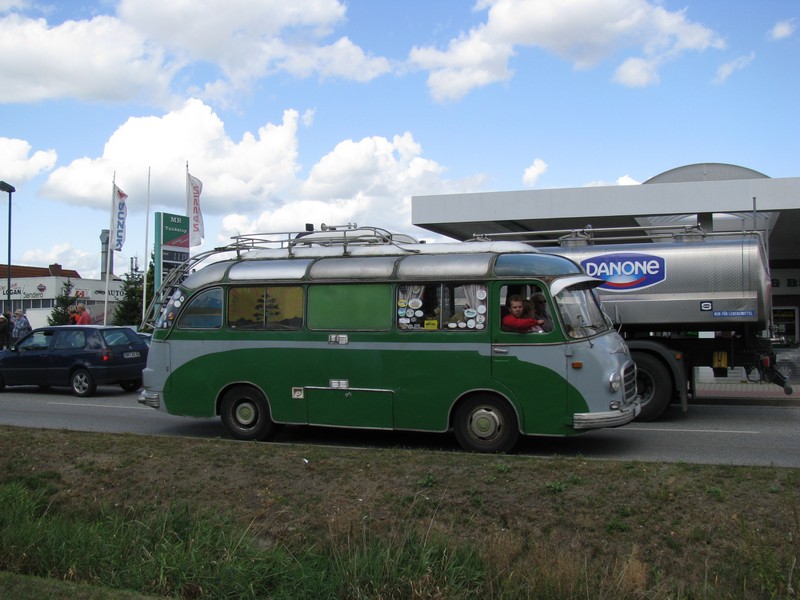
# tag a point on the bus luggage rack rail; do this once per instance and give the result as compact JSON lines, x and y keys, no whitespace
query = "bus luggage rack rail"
{"x":342,"y":236}
{"x":600,"y":235}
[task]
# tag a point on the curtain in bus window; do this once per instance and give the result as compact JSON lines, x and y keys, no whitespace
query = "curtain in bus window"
{"x":410,"y":301}
{"x":286,"y":307}
{"x":261,"y":307}
{"x":464,"y":307}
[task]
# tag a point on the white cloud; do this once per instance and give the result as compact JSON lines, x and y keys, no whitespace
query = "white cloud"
{"x":469,"y":62}
{"x":139,"y":53}
{"x":731,"y":67}
{"x":100,"y":59}
{"x":782,"y":30}
{"x":18,"y":164}
{"x":248,"y":40}
{"x":583,"y":32}
{"x":241,"y":174}
{"x":637,"y":72}
{"x":85,"y":263}
{"x":627,"y":180}
{"x":532,"y":173}
{"x":623,"y":180}
{"x":368,"y":181}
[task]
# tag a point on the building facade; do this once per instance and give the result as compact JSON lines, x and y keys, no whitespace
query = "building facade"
{"x":34,"y":290}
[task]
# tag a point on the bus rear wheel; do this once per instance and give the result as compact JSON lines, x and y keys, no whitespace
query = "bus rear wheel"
{"x":486,"y":423}
{"x":245,"y":414}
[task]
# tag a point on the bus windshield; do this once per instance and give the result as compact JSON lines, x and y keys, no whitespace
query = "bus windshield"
{"x":580,"y":312}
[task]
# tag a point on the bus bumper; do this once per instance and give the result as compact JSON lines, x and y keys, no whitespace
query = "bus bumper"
{"x":608,"y":418}
{"x":150,"y":398}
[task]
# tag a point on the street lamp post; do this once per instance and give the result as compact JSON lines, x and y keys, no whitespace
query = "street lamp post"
{"x":7,"y":187}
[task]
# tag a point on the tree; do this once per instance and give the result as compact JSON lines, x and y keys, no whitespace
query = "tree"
{"x":60,"y":313}
{"x":129,"y":309}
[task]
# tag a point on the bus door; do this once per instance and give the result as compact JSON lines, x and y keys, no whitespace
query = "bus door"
{"x":528,"y":355}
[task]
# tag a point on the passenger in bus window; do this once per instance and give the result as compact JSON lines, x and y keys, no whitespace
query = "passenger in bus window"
{"x":540,"y":311}
{"x":516,"y":320}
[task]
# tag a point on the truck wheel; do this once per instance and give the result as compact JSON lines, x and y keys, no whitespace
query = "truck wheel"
{"x":486,"y":423}
{"x":653,"y":385}
{"x":245,"y":414}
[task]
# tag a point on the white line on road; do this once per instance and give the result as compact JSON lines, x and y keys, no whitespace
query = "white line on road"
{"x":690,"y":430}
{"x":101,"y":405}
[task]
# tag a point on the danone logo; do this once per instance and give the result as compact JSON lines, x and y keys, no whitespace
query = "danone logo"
{"x":626,"y":271}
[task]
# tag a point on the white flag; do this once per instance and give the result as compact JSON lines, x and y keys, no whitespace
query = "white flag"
{"x":193,"y":188}
{"x":120,"y":214}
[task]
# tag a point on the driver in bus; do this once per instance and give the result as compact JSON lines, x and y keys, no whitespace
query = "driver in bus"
{"x":515,"y":319}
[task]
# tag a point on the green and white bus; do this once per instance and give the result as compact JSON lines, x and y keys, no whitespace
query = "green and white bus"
{"x":355,"y":327}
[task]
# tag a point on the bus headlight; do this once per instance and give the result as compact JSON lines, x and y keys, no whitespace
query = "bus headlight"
{"x":615,"y":381}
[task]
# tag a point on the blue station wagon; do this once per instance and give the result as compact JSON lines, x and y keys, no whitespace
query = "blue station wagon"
{"x":80,"y":357}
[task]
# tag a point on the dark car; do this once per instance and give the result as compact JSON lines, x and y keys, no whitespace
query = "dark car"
{"x":80,"y":357}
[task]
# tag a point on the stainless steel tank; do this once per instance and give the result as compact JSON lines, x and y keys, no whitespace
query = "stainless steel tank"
{"x":711,"y":285}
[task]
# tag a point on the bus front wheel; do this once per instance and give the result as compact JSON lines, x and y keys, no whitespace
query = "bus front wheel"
{"x":486,"y":423}
{"x":245,"y":414}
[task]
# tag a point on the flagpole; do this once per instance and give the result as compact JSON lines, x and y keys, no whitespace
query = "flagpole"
{"x":110,"y":246}
{"x":189,"y":208}
{"x":146,"y":248}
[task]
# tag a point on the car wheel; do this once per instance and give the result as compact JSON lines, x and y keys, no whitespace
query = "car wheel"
{"x":245,"y":414}
{"x":2,"y":383}
{"x":131,"y":386}
{"x":82,"y":383}
{"x":486,"y":423}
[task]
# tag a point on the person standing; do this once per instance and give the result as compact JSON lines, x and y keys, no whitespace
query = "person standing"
{"x":72,"y":316}
{"x":3,"y":332}
{"x":540,"y":311}
{"x":22,"y":326}
{"x":84,"y":318}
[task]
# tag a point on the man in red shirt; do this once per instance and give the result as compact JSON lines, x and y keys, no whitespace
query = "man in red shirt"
{"x":514,"y":321}
{"x":84,"y":318}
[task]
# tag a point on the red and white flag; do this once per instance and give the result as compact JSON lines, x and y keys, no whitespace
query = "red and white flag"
{"x":120,"y":215}
{"x":193,"y":189}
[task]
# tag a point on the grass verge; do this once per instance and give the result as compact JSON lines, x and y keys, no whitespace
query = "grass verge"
{"x":186,"y":518}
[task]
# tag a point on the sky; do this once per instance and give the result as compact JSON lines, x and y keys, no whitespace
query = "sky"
{"x":326,"y":111}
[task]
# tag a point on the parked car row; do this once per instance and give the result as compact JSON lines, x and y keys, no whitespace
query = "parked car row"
{"x":79,"y":357}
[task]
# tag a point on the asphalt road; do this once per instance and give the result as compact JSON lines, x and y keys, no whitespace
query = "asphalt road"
{"x":718,"y":434}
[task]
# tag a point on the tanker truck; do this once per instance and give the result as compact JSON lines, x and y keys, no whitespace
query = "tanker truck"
{"x":682,"y":298}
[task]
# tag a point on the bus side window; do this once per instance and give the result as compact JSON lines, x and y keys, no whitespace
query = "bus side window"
{"x":450,"y":307}
{"x":265,"y":308}
{"x":204,"y":311}
{"x":464,"y":306}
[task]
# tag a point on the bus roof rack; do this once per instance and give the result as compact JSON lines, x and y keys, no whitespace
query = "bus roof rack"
{"x":344,"y":236}
{"x":349,"y":234}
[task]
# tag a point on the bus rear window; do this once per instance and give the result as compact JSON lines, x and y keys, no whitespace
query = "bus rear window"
{"x":265,"y":307}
